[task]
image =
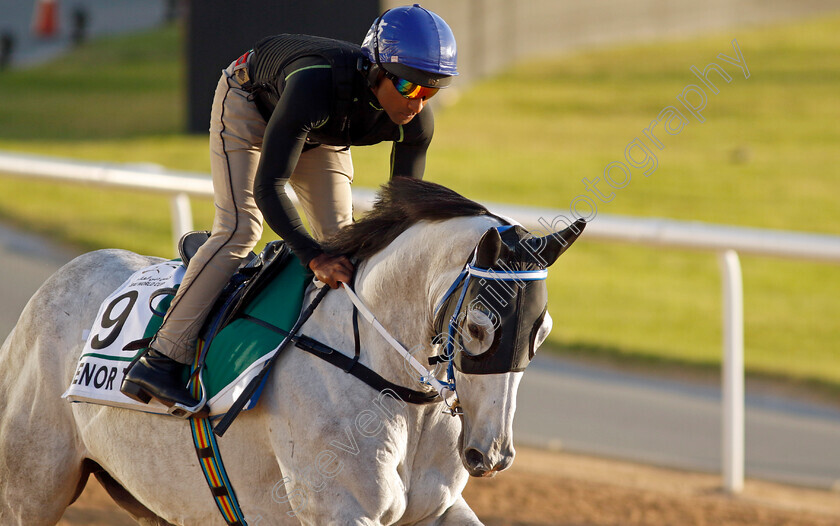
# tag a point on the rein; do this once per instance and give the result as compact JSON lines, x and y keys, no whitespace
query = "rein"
{"x":426,"y":376}
{"x":352,"y":366}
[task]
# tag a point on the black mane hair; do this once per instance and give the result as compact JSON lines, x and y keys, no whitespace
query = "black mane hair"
{"x":400,"y":203}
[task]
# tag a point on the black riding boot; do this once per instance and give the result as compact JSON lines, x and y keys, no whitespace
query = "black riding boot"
{"x":158,"y":376}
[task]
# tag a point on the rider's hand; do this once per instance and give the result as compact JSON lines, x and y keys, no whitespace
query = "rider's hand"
{"x":332,"y":269}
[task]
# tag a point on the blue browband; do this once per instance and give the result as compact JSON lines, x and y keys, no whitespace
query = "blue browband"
{"x":495,"y":275}
{"x":508,"y":275}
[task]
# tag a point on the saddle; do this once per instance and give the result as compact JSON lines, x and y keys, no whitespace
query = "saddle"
{"x":251,"y":277}
{"x":255,"y":310}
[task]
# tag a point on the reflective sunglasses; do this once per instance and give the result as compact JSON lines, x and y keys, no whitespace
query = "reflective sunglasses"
{"x":411,"y":90}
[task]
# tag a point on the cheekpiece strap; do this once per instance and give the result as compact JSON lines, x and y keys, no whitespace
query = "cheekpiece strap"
{"x":451,"y":289}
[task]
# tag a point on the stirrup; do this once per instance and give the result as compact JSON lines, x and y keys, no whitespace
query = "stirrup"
{"x":199,"y":410}
{"x":139,"y":394}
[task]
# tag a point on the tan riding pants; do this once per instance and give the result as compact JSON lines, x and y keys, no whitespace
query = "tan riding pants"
{"x":321,"y":181}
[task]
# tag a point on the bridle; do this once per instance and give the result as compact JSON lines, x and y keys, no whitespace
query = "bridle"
{"x":512,"y":357}
{"x":462,"y":283}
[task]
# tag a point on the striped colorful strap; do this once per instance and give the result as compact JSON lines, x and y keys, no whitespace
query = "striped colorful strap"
{"x":210,"y":459}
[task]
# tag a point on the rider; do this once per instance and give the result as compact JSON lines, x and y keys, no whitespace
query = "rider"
{"x":288,"y":111}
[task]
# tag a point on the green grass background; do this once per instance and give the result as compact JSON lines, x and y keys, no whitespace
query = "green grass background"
{"x":766,"y":156}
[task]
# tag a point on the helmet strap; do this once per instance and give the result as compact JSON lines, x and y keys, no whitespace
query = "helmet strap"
{"x":373,"y":70}
{"x":374,"y":75}
{"x":376,"y":38}
{"x":370,"y":71}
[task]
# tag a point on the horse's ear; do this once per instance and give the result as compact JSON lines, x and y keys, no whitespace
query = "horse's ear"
{"x":551,"y":246}
{"x":488,"y":250}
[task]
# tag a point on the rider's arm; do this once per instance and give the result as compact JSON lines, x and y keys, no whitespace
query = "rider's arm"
{"x":303,"y":105}
{"x":408,"y":156}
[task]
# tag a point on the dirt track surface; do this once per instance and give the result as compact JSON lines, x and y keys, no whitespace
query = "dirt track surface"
{"x":560,"y":489}
{"x":570,"y":490}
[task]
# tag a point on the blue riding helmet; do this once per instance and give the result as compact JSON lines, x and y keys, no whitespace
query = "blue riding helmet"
{"x":413,"y":43}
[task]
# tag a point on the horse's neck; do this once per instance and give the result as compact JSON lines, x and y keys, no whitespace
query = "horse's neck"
{"x":403,"y":283}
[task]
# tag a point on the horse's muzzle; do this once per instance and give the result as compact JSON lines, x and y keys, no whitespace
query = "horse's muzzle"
{"x":479,"y":464}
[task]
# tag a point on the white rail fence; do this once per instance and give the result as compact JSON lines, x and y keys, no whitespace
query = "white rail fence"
{"x":726,"y":241}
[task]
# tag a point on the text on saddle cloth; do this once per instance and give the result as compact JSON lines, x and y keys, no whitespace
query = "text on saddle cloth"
{"x":234,"y":355}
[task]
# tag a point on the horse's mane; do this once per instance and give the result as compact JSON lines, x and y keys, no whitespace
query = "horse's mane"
{"x":400,"y":204}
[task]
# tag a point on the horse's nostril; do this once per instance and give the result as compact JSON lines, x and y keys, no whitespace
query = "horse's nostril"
{"x":504,"y":464}
{"x":474,"y":458}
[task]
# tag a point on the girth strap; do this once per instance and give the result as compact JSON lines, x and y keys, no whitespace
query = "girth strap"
{"x":352,"y":366}
{"x":210,"y":460}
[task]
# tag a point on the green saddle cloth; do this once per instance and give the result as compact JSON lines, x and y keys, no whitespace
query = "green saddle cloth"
{"x":236,"y":353}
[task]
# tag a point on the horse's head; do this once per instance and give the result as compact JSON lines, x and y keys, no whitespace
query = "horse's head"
{"x":491,"y":323}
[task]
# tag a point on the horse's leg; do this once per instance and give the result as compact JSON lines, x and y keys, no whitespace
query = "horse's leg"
{"x":459,"y":514}
{"x":42,"y":466}
{"x":126,"y":501}
{"x":42,"y":472}
{"x":42,"y":458}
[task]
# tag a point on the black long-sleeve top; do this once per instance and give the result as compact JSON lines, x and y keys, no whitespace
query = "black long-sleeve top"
{"x":301,"y":112}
